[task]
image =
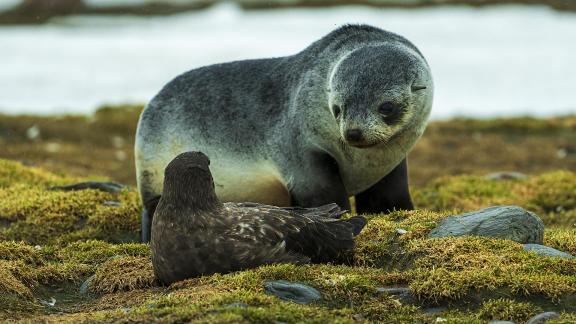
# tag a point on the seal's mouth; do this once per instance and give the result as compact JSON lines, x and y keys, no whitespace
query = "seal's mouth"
{"x":362,"y":144}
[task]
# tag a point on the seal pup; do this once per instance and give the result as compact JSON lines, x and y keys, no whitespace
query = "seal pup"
{"x":194,"y":234}
{"x":333,"y":121}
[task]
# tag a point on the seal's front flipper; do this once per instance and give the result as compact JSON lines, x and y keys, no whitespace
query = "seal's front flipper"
{"x":388,"y":194}
{"x":146,"y":226}
{"x":147,"y":214}
{"x":320,"y":185}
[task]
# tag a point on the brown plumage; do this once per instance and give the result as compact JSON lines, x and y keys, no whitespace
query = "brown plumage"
{"x":194,"y":234}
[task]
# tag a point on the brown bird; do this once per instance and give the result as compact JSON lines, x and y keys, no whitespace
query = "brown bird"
{"x":194,"y":234}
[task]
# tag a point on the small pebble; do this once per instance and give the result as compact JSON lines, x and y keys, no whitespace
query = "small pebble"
{"x":112,"y":203}
{"x":506,"y":175}
{"x":292,"y":291}
{"x":547,"y":251}
{"x":86,"y":284}
{"x":50,"y":303}
{"x":33,"y":132}
{"x":543,"y":318}
{"x":401,"y":231}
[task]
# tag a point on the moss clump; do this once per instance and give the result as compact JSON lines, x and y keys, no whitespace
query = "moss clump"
{"x":561,"y":239}
{"x":13,"y":173}
{"x":507,"y":310}
{"x":550,"y":195}
{"x":453,"y":268}
{"x":123,"y":274}
{"x":96,"y":252}
{"x":31,"y":212}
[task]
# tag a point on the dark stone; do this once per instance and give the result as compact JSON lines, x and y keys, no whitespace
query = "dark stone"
{"x":506,"y":175}
{"x":547,"y":251}
{"x":292,"y":291}
{"x":505,"y":222}
{"x":543,"y":318}
{"x":110,"y":187}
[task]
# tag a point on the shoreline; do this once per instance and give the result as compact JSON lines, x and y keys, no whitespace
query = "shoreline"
{"x":31,"y":15}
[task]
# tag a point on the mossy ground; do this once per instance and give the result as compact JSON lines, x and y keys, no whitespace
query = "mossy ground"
{"x":52,"y":241}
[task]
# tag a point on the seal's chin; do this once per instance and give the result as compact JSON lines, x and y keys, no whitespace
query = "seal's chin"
{"x":362,"y":145}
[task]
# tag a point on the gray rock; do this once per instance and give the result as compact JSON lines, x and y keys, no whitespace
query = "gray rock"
{"x":292,"y":291}
{"x":543,"y":318}
{"x":111,"y":187}
{"x":237,"y":305}
{"x":86,"y":285}
{"x":506,"y":175}
{"x":547,"y":251}
{"x":112,"y":203}
{"x":505,"y":222}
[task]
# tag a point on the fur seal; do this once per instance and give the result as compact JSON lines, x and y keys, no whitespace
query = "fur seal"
{"x":333,"y":121}
{"x":194,"y":234}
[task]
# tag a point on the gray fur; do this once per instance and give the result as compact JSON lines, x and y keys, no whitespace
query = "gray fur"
{"x":274,"y":119}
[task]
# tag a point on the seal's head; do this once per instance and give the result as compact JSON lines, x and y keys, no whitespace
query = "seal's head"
{"x":377,"y":92}
{"x":188,"y":181}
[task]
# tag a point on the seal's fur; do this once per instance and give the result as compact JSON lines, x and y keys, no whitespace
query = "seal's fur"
{"x":333,"y":121}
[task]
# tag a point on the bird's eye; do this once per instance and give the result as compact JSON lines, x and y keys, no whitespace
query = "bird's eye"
{"x":388,"y":108}
{"x":337,"y":111}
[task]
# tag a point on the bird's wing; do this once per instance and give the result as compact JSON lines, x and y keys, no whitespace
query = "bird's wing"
{"x":320,"y":240}
{"x":324,"y":212}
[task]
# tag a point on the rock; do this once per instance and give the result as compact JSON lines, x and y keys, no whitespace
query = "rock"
{"x":110,"y":187}
{"x":50,"y":303}
{"x":112,"y":203}
{"x":237,"y":305}
{"x":401,"y":231}
{"x":547,"y":251}
{"x":86,"y":284}
{"x":506,"y":175}
{"x":291,"y":291}
{"x":505,"y":222}
{"x":33,"y":133}
{"x":543,"y":318}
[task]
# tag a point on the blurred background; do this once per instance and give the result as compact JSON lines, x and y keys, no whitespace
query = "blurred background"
{"x":74,"y":74}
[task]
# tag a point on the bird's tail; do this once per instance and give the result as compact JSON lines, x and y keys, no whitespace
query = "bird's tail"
{"x":331,"y":211}
{"x":357,"y":223}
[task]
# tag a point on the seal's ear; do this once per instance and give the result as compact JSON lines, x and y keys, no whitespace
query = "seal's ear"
{"x":418,"y":87}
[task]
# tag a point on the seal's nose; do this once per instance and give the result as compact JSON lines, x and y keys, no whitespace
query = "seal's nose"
{"x":353,"y":135}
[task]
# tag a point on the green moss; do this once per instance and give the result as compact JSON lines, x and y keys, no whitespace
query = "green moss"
{"x":96,"y":252}
{"x":78,"y":235}
{"x":452,"y":268}
{"x":40,"y":216}
{"x":13,"y":173}
{"x":122,"y":274}
{"x":550,"y":195}
{"x":507,"y":310}
{"x":561,"y":239}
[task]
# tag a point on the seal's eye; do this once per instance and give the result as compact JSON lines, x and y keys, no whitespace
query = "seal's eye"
{"x":337,"y":111}
{"x":417,"y":87}
{"x":391,"y":112}
{"x":387,"y":109}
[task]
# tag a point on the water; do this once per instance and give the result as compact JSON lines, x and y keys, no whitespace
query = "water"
{"x":498,"y":61}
